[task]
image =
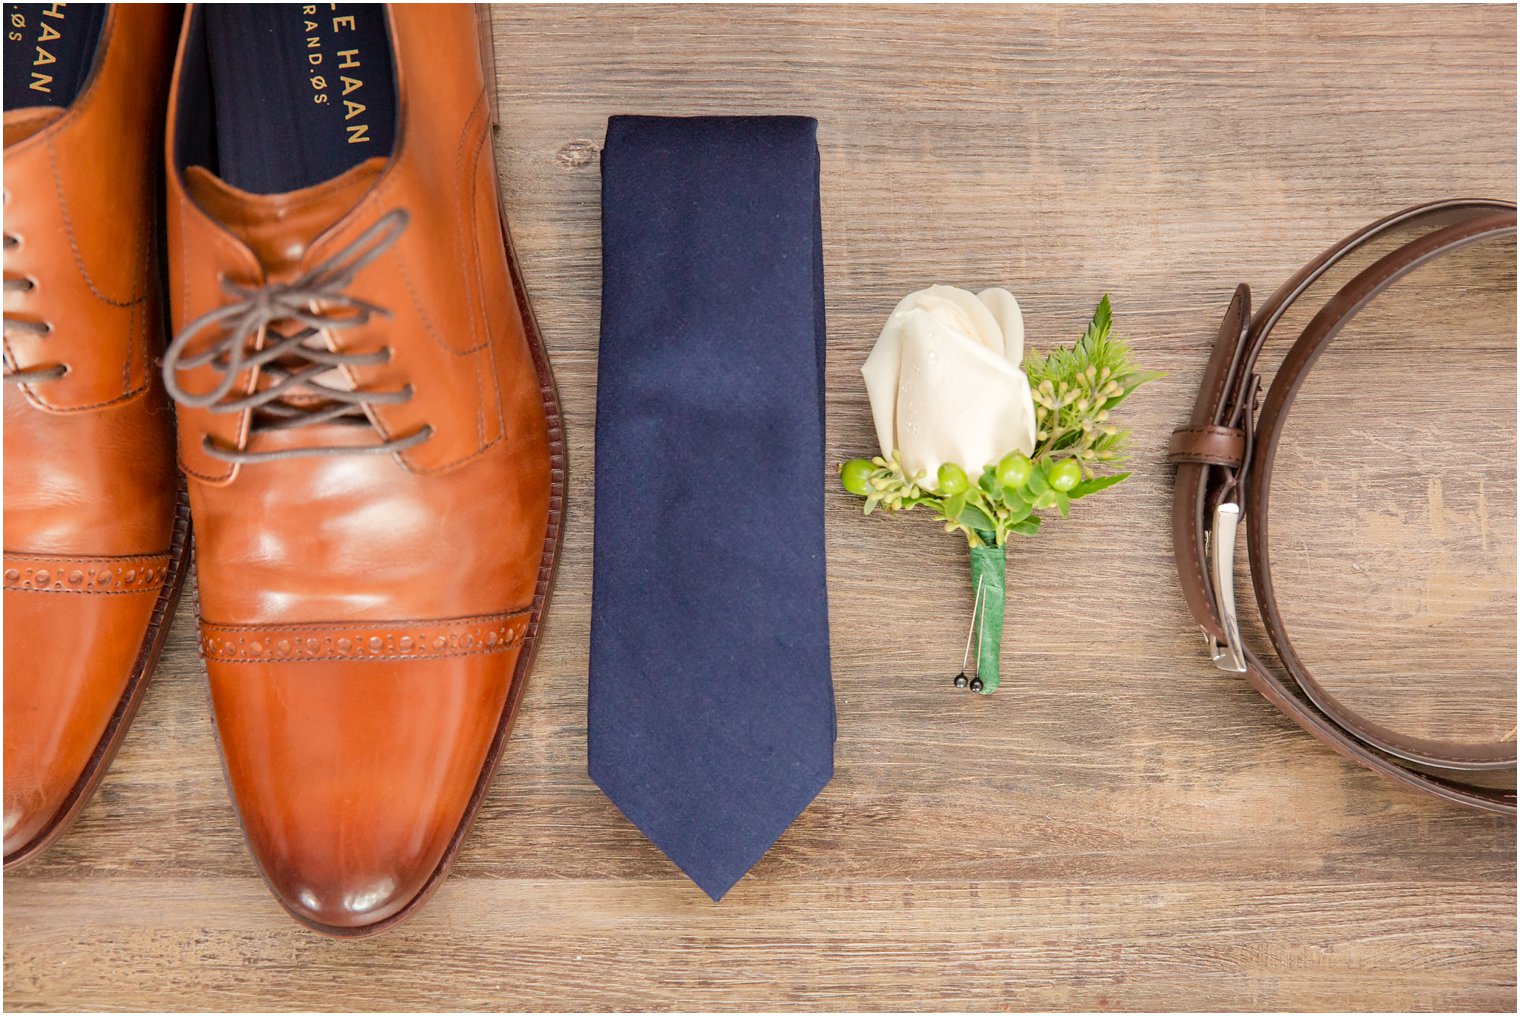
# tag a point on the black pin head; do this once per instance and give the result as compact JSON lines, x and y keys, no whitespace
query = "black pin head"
{"x":976,"y":684}
{"x":960,"y":680}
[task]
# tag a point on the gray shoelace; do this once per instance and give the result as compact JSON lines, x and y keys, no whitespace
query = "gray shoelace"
{"x":293,"y":397}
{"x":24,"y":326}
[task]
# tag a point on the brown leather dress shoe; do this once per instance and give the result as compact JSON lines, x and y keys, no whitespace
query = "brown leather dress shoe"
{"x":95,"y":530}
{"x":371,"y":435}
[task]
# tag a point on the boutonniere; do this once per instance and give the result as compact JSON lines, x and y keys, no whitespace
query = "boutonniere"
{"x":990,"y":442}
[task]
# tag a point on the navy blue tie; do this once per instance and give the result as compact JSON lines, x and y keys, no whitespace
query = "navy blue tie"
{"x":711,"y":709}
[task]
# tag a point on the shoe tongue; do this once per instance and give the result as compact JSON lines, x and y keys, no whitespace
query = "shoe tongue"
{"x":279,"y":227}
{"x":21,"y":124}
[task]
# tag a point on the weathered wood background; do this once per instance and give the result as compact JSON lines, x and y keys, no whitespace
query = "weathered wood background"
{"x":1122,"y":826}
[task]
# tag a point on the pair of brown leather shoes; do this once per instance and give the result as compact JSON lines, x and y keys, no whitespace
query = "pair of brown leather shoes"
{"x":367,"y":425}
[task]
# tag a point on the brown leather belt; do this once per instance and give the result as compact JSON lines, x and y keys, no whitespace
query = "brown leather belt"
{"x":1224,"y":461}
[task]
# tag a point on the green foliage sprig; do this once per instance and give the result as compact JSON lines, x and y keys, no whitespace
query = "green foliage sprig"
{"x":1075,"y":390}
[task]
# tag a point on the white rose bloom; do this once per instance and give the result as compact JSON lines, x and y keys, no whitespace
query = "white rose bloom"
{"x":945,"y":381}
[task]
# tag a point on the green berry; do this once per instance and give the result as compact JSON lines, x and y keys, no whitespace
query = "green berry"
{"x":1065,"y":474}
{"x":856,"y":476}
{"x":952,"y":479}
{"x":1013,"y":471}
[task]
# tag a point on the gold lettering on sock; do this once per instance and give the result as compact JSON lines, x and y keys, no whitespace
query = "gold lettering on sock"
{"x":348,"y":59}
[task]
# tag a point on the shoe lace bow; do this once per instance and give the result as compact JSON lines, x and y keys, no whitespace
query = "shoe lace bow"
{"x":291,"y":366}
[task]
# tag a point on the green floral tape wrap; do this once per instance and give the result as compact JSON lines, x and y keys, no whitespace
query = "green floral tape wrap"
{"x":988,"y":565}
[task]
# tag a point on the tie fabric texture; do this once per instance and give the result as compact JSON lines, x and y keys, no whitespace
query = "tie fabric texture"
{"x":711,"y":708}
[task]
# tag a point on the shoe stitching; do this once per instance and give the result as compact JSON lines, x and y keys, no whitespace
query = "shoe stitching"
{"x":114,"y":400}
{"x":68,"y":227}
{"x":406,"y":277}
{"x":327,"y":626}
{"x":26,"y":555}
{"x":144,"y":257}
{"x":479,"y":311}
{"x":157,"y":585}
{"x":500,"y":647}
{"x":467,"y":194}
{"x":444,"y":467}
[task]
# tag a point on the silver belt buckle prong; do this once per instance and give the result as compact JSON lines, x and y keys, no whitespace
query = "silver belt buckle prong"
{"x":1230,"y":656}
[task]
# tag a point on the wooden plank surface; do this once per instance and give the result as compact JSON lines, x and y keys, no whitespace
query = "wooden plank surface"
{"x":1122,"y":826}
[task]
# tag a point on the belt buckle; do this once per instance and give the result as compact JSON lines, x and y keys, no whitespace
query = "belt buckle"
{"x":1230,"y":656}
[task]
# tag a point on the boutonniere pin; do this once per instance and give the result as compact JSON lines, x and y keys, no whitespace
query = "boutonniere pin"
{"x":986,"y":440}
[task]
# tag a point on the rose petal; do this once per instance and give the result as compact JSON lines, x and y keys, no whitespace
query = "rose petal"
{"x":1005,"y":309}
{"x":957,"y":401}
{"x":958,"y":310}
{"x":962,"y":311}
{"x":882,"y":369}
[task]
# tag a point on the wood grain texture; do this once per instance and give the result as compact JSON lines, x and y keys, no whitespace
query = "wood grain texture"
{"x":1122,"y":826}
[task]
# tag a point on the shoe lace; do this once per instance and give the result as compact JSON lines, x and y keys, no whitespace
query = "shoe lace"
{"x":292,"y":364}
{"x":25,"y":326}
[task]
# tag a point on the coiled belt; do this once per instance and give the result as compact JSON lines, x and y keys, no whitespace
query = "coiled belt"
{"x":1224,"y":459}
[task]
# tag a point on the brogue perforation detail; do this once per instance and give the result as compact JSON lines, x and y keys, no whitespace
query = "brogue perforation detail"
{"x":99,"y":575}
{"x":362,"y":641}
